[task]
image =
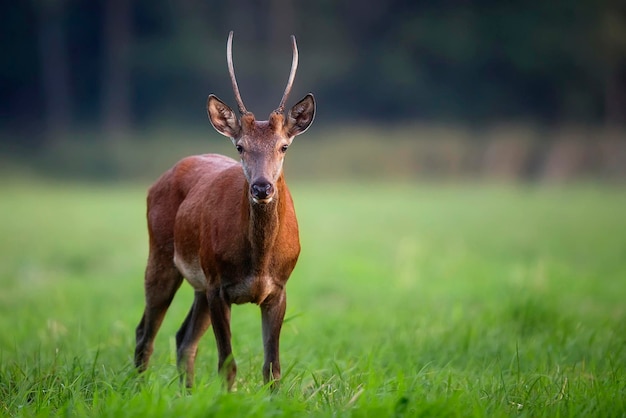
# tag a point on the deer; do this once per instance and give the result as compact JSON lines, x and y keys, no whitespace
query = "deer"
{"x":230,"y":229}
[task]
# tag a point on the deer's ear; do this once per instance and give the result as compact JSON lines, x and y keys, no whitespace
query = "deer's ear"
{"x":300,"y":116}
{"x":222,"y":117}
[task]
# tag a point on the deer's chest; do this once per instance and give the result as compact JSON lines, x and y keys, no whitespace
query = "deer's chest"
{"x":239,"y":280}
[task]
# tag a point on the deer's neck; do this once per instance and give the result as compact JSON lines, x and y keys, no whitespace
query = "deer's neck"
{"x":263,"y":227}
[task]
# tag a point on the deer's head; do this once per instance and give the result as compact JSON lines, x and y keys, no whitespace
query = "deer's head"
{"x":261,"y":144}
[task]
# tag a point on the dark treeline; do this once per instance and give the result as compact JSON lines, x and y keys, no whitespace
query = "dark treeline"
{"x":118,"y":65}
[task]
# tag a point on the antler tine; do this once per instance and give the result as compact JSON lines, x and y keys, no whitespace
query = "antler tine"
{"x":292,"y":75}
{"x":231,"y":71}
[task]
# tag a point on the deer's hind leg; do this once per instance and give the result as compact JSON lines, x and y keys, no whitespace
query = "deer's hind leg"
{"x":193,"y":328}
{"x":161,"y":283}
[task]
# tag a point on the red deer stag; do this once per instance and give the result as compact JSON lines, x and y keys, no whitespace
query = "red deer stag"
{"x":230,"y":229}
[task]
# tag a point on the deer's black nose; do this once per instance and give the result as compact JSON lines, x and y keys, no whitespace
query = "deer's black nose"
{"x":262,"y":190}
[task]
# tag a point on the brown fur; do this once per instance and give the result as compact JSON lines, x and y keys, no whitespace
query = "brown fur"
{"x":202,"y":208}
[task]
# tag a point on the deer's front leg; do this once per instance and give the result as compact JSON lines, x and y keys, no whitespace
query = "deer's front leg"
{"x":220,"y":318}
{"x":272,"y":314}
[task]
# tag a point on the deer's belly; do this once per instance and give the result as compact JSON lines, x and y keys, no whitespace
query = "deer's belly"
{"x":250,"y":289}
{"x":192,"y":271}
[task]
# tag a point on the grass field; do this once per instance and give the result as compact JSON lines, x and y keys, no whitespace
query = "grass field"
{"x":408,"y":300}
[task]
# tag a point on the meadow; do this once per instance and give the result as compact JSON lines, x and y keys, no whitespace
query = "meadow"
{"x":427,"y":299}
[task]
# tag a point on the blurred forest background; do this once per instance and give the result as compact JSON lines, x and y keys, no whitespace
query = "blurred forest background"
{"x":450,"y":89}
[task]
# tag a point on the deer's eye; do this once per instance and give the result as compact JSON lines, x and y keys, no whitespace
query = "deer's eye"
{"x":239,"y":148}
{"x":284,"y":148}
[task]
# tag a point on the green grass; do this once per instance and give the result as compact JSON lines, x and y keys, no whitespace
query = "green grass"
{"x":408,"y":300}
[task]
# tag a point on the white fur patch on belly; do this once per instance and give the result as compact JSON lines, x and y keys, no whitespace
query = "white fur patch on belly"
{"x":192,"y":271}
{"x":253,"y":289}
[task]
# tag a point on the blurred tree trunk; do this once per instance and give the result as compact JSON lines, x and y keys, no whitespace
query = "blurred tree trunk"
{"x":615,"y":96}
{"x":281,"y":22}
{"x":116,"y":105}
{"x":614,"y":39}
{"x":281,"y":25}
{"x":54,"y":69}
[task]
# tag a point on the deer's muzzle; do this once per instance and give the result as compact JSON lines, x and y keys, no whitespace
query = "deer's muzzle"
{"x":262,"y":191}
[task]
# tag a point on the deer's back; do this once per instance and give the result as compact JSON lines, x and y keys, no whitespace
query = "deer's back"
{"x":189,"y":183}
